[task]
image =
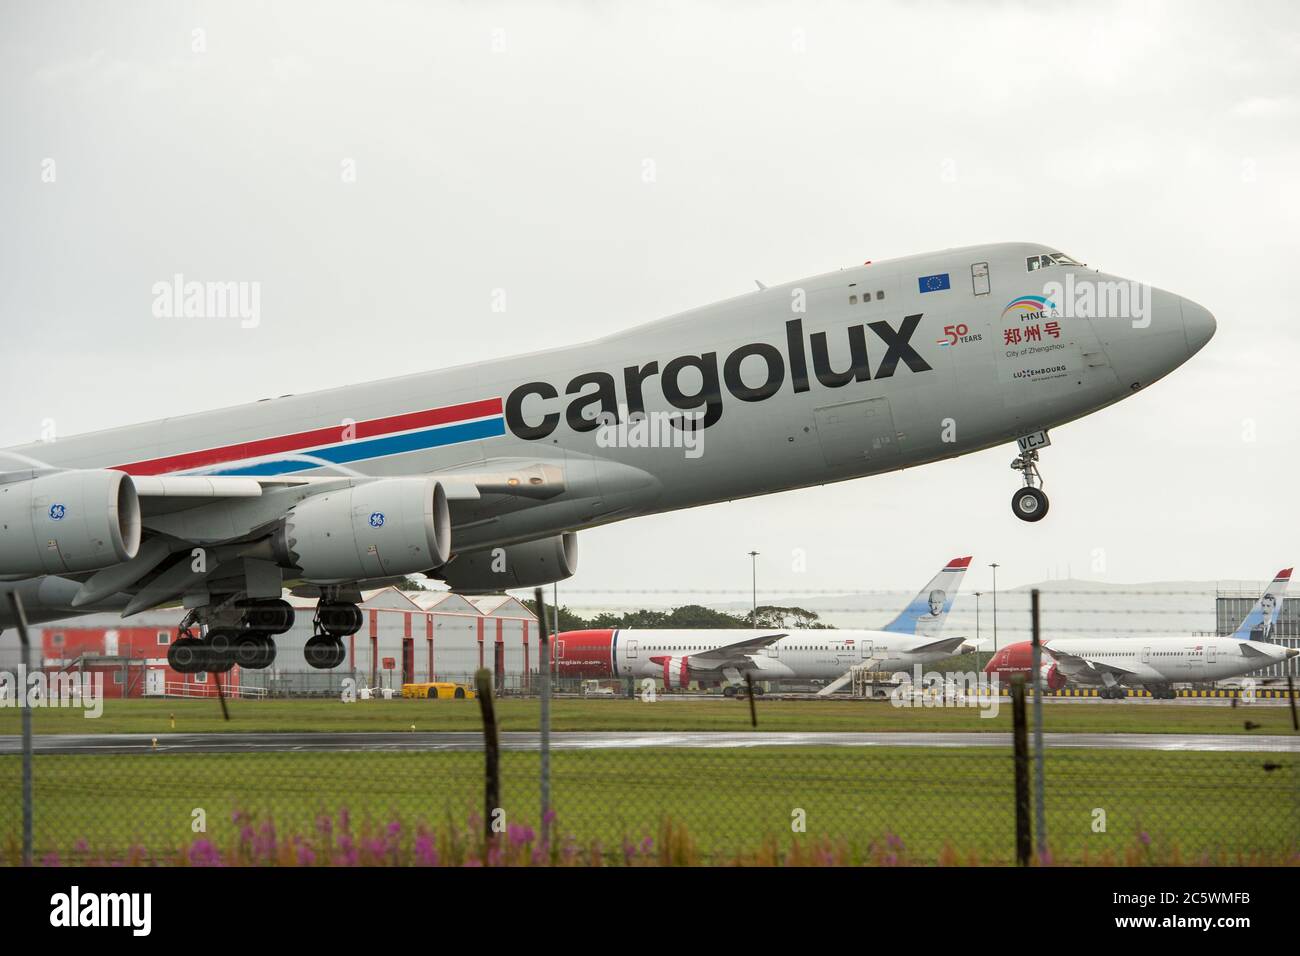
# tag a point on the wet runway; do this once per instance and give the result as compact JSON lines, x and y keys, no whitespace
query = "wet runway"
{"x":621,"y":740}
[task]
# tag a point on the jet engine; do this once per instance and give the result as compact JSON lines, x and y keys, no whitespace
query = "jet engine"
{"x":1052,"y":678}
{"x":372,"y":529}
{"x":68,"y":521}
{"x":531,"y":564}
{"x":677,"y":671}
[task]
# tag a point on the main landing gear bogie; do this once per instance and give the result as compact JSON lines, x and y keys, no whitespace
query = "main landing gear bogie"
{"x":334,"y":621}
{"x":248,"y":642}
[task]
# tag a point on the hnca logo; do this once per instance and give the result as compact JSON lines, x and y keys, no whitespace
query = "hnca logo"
{"x":1028,"y":307}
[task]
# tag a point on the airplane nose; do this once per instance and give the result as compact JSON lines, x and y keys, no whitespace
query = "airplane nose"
{"x":1198,"y":326}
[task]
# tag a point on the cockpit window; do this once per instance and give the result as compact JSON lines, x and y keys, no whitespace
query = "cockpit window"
{"x":1051,"y":259}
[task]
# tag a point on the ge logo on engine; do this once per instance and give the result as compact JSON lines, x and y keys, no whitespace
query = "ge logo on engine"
{"x":57,"y":512}
{"x":377,"y":520}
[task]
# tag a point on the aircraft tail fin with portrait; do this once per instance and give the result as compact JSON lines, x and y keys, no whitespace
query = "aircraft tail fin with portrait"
{"x":1258,"y":624}
{"x":929,"y":609}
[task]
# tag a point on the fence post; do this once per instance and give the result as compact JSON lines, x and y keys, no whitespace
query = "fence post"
{"x":544,"y":652}
{"x":1290,"y":693}
{"x":1040,"y":818}
{"x":20,"y":620}
{"x":492,"y":758}
{"x":1021,"y":761}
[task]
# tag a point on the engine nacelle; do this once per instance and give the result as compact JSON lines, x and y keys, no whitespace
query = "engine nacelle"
{"x":1052,"y":678}
{"x":531,"y":564}
{"x":68,"y":521}
{"x":373,"y":529}
{"x":677,"y":671}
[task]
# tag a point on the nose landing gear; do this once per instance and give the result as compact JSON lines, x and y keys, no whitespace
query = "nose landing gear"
{"x":1029,"y":503}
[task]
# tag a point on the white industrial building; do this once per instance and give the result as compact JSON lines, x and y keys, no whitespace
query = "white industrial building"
{"x":406,"y":637}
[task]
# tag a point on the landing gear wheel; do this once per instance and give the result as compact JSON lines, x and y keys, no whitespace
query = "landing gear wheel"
{"x":728,"y":692}
{"x":186,"y":655}
{"x":221,"y":649}
{"x":324,"y":652}
{"x":270,"y":617}
{"x":338,"y":620}
{"x":1029,"y":504}
{"x":254,"y":651}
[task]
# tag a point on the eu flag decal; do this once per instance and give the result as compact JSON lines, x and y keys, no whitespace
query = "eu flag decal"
{"x":934,"y":283}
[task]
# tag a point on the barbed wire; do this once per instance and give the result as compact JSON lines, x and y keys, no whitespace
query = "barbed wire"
{"x":841,"y":592}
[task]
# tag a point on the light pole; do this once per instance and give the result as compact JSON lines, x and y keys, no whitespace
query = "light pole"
{"x":995,"y":567}
{"x":753,"y":576}
{"x":977,"y":630}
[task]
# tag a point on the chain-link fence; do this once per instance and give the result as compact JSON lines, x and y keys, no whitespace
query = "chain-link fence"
{"x":657,"y":778}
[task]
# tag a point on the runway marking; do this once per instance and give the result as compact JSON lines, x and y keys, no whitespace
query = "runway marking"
{"x":467,"y":741}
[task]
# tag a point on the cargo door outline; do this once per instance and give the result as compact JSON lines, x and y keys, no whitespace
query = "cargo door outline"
{"x":853,"y":432}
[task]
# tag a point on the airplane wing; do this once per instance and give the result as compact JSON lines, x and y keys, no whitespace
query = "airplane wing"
{"x":231,"y":519}
{"x":1073,"y":666}
{"x":737,"y":654}
{"x":951,"y":644}
{"x":512,"y":478}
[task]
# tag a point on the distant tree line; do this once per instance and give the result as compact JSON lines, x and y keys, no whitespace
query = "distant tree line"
{"x":686,"y":616}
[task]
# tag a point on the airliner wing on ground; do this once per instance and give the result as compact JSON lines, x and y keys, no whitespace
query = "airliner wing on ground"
{"x":481,"y":475}
{"x":1080,"y":668}
{"x":736,"y":654}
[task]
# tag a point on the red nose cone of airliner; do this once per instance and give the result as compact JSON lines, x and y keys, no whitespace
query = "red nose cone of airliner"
{"x":1011,"y":660}
{"x":584,"y":654}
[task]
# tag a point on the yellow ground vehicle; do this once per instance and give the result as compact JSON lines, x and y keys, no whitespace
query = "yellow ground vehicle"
{"x":439,"y":690}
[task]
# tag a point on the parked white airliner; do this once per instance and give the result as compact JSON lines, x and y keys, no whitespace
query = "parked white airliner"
{"x":678,"y":657}
{"x":1154,"y":663}
{"x":480,"y":475}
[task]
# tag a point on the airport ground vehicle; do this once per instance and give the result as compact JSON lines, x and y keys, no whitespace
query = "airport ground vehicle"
{"x":439,"y":690}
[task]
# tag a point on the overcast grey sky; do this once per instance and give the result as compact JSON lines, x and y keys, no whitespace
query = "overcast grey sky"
{"x":502,"y":146}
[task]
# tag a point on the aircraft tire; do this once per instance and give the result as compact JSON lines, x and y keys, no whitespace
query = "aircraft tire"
{"x":1029,"y":504}
{"x":186,"y":655}
{"x":254,"y":651}
{"x":323,"y":652}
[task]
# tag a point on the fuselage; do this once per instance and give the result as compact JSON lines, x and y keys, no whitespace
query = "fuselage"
{"x":680,"y":656}
{"x":843,"y":375}
{"x":1150,"y":661}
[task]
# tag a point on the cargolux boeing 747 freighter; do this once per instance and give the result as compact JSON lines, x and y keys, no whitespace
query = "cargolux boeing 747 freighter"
{"x":481,"y":475}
